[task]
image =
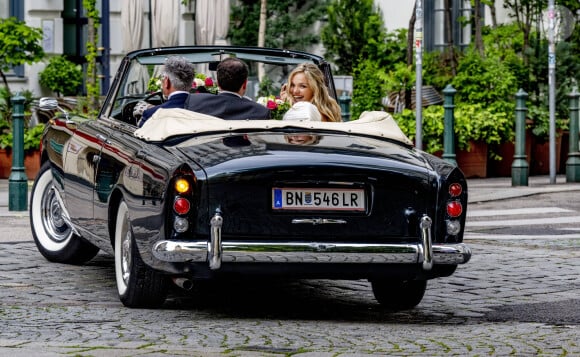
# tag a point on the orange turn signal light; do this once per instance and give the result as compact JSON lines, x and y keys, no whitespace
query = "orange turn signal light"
{"x":182,"y":185}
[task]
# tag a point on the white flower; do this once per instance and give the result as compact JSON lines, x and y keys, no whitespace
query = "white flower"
{"x":199,"y":82}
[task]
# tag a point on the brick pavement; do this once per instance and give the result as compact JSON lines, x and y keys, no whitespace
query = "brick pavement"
{"x":512,"y":298}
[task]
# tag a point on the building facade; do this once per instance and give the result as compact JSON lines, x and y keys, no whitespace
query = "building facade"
{"x":132,"y":24}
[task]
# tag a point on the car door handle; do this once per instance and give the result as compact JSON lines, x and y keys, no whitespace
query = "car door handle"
{"x":141,"y":154}
{"x":103,"y":138}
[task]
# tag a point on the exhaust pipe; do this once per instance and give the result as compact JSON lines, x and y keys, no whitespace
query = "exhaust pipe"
{"x":184,"y":283}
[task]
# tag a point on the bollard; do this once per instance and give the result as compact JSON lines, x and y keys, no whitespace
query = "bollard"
{"x":520,"y":165}
{"x":17,"y":182}
{"x":344,"y":101}
{"x":449,"y":131}
{"x":573,"y":162}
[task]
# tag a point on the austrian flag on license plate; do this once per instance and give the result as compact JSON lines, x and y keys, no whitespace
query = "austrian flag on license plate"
{"x":318,"y":199}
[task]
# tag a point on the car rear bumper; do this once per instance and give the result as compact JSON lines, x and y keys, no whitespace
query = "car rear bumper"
{"x":275,"y":252}
{"x":216,"y":251}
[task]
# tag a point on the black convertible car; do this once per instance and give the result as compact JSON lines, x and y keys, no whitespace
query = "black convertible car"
{"x":190,"y":197}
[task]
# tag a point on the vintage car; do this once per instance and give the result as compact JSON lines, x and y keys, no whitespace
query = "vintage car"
{"x":189,"y":197}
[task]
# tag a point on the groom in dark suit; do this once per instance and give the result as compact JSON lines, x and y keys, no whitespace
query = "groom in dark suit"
{"x":176,"y":82}
{"x":230,"y":103}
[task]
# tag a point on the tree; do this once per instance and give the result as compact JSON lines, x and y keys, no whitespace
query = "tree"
{"x":355,"y":31}
{"x":19,"y":44}
{"x":289,"y":23}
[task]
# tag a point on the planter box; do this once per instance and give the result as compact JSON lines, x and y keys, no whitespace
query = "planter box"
{"x":503,"y":168}
{"x":31,"y":163}
{"x":541,"y":154}
{"x":473,"y":162}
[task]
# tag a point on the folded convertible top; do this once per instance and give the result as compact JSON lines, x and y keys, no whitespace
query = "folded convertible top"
{"x":166,"y":123}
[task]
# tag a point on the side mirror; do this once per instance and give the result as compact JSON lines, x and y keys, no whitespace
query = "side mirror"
{"x":49,"y":104}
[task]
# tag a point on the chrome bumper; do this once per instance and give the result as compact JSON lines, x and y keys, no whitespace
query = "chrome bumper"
{"x":215,"y":252}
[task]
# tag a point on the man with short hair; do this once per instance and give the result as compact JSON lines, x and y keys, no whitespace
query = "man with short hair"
{"x":229,"y":103}
{"x":176,"y":82}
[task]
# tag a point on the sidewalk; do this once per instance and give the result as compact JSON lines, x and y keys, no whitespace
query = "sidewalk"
{"x":479,"y":190}
{"x":500,"y":188}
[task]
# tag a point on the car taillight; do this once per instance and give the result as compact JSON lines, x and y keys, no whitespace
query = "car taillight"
{"x":181,"y":205}
{"x":454,"y":208}
{"x":183,"y":201}
{"x":455,"y":189}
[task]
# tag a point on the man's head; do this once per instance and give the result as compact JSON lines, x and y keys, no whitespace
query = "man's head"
{"x":232,"y":75}
{"x":178,"y":75}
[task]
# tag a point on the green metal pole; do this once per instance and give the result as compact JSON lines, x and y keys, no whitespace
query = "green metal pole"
{"x":520,"y":167}
{"x":573,"y":162}
{"x":17,"y":182}
{"x":449,"y":131}
{"x":344,"y":101}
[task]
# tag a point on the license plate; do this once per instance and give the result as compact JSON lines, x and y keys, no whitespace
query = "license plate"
{"x":318,"y":199}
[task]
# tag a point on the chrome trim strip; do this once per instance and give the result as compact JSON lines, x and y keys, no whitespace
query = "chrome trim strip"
{"x":425,"y":226}
{"x":315,"y":252}
{"x":214,"y":253}
{"x":315,"y":221}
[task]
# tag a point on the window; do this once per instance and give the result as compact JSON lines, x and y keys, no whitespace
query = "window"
{"x":439,"y":24}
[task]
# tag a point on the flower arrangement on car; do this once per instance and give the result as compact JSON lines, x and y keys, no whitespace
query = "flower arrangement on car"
{"x":204,"y":84}
{"x":201,"y":84}
{"x":276,"y":105}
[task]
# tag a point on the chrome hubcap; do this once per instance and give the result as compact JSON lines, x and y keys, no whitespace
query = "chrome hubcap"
{"x":126,"y":254}
{"x":52,"y":218}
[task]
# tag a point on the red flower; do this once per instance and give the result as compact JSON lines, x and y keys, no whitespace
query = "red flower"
{"x":271,"y":105}
{"x":209,"y":82}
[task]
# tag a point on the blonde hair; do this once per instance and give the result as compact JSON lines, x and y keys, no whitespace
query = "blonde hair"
{"x":327,"y":106}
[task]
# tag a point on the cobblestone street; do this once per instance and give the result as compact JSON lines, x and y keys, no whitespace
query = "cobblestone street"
{"x":510,"y":299}
{"x":517,"y":296}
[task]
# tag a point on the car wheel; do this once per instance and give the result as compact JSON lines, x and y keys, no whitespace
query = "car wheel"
{"x":399,"y":294}
{"x":54,"y":238}
{"x":137,"y":284}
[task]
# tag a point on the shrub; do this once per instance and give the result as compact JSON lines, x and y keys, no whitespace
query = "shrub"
{"x":62,"y":76}
{"x":473,"y":122}
{"x":369,"y":88}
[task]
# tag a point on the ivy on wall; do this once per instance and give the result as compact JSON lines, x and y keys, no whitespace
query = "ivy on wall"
{"x":92,"y":84}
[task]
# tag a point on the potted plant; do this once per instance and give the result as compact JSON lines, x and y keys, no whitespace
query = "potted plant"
{"x":62,"y":76}
{"x":476,"y":129}
{"x":539,"y":122}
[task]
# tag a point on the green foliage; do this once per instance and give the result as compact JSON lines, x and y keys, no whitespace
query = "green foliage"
{"x":19,"y":44}
{"x":369,"y":87}
{"x":289,"y":23}
{"x":354,"y":31}
{"x":483,"y":80}
{"x":431,"y":130}
{"x":32,"y":137}
{"x":6,"y":104}
{"x":567,"y":73}
{"x":266,"y":87}
{"x":540,"y":117}
{"x":93,"y":90}
{"x":402,"y":78}
{"x":435,"y":72}
{"x":62,"y":76}
{"x":480,"y":122}
{"x":472,"y":122}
